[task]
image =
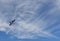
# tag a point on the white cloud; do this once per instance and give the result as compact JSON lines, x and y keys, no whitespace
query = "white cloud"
{"x":57,"y":3}
{"x":23,"y":29}
{"x":6,"y":1}
{"x":2,"y":29}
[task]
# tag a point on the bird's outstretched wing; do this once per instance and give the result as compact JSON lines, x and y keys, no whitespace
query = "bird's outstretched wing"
{"x":10,"y":23}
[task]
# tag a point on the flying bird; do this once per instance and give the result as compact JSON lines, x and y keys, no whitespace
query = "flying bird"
{"x":11,"y":22}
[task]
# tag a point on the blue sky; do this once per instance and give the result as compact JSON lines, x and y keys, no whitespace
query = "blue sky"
{"x":35,"y":20}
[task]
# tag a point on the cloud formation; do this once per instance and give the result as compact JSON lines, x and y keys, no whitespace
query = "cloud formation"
{"x":32,"y":18}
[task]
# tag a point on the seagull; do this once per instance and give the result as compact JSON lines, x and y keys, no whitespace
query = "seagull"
{"x":11,"y":22}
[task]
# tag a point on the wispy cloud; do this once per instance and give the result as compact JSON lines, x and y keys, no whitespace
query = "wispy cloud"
{"x":29,"y":23}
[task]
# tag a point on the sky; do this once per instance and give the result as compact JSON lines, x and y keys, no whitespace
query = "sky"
{"x":35,"y":20}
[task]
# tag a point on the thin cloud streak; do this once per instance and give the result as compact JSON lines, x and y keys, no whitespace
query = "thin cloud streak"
{"x":25,"y":28}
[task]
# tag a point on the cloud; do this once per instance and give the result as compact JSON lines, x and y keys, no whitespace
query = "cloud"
{"x":28,"y":24}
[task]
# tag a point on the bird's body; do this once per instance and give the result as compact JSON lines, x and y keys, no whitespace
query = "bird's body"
{"x":10,"y":23}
